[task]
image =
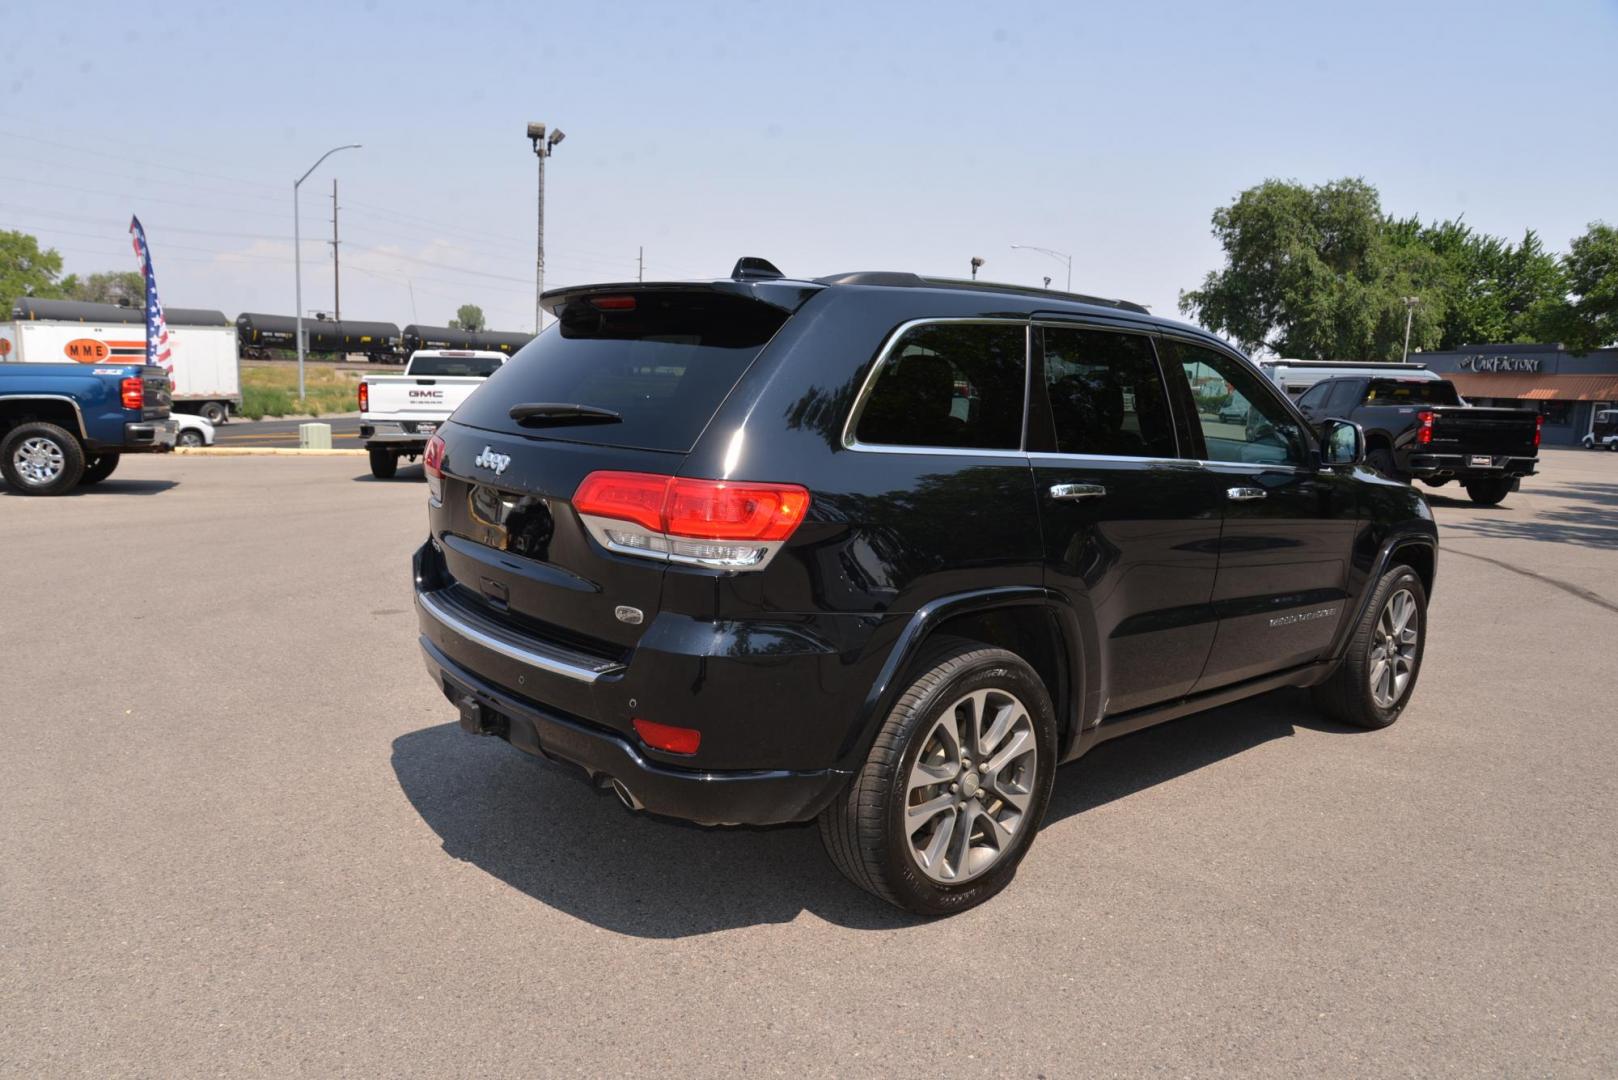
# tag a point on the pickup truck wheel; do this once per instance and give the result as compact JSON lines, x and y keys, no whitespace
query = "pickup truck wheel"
{"x":384,"y":463}
{"x":41,"y":459}
{"x":1487,"y":492}
{"x":1378,"y":674}
{"x":99,"y":468}
{"x":214,"y":413}
{"x":954,"y":788}
{"x":1381,"y":459}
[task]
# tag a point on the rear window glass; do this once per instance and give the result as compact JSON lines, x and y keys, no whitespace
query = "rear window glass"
{"x":1410,"y":392}
{"x":663,"y":365}
{"x":455,"y":365}
{"x":957,"y":385}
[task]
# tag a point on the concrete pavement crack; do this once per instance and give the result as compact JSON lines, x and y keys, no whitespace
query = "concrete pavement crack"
{"x":1566,"y":586}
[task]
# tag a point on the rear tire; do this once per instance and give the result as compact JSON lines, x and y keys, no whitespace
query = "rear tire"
{"x":1381,"y":459}
{"x":1487,"y":492}
{"x":984,"y":814}
{"x":41,"y":459}
{"x":1355,"y":694}
{"x":384,"y":463}
{"x":99,"y":468}
{"x":214,"y":413}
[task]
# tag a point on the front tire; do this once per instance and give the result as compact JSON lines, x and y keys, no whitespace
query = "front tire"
{"x":954,"y":788}
{"x":189,"y":437}
{"x":99,"y":468}
{"x":1488,"y":492}
{"x":1372,"y":685}
{"x":384,"y":463}
{"x":41,"y":459}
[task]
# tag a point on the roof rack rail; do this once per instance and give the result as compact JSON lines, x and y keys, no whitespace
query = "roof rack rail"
{"x":1391,"y":365}
{"x":903,"y":279}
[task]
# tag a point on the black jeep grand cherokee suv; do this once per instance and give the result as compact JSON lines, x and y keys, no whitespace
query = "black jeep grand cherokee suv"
{"x":886,"y":550}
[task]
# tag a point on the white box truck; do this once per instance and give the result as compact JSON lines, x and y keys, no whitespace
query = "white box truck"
{"x":207,"y":376}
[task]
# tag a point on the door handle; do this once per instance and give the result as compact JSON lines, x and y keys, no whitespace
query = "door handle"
{"x":1245,"y":494}
{"x":1075,"y":492}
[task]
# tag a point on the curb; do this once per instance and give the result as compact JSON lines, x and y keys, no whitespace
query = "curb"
{"x":261,"y":451}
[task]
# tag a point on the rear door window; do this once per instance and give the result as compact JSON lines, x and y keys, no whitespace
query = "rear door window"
{"x":956,"y":385}
{"x":662,"y":360}
{"x":1106,"y":394}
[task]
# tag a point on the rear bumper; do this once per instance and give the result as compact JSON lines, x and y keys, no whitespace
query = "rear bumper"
{"x":150,"y":436}
{"x":1460,"y":466}
{"x":752,"y":797}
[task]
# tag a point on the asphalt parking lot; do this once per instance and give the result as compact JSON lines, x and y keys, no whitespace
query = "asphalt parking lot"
{"x":241,"y":833}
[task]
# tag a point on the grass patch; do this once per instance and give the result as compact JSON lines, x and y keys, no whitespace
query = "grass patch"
{"x":272,"y":390}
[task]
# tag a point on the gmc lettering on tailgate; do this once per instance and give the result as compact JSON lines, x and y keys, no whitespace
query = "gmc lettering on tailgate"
{"x":426,"y":395}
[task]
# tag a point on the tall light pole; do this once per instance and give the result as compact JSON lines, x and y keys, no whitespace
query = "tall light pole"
{"x":1410,"y":311}
{"x":543,"y":148}
{"x":297,"y":254}
{"x":1060,"y":256}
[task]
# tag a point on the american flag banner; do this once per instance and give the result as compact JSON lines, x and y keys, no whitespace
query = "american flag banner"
{"x":159,"y":350}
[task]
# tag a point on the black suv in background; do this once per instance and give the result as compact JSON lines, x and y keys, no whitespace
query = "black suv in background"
{"x":1417,"y":426}
{"x":886,"y":550}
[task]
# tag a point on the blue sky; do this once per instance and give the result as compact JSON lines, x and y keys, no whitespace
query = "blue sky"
{"x":824,"y":137}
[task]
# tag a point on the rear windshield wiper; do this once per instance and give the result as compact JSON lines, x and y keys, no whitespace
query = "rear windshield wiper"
{"x":558,"y":412}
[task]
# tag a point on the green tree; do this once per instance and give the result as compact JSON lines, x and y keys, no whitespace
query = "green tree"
{"x":1314,"y":272}
{"x":25,"y":270}
{"x":468,"y":317}
{"x":124,"y":287}
{"x":1493,"y":291}
{"x":1590,"y":320}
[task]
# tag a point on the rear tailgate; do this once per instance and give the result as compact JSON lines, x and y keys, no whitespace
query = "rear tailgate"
{"x":659,"y":358}
{"x":1480,"y":430}
{"x":406,"y":397}
{"x":157,"y":393}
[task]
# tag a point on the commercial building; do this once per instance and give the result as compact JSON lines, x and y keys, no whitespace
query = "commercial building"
{"x":1567,"y":389}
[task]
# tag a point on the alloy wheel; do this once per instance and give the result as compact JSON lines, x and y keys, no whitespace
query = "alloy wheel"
{"x":39,"y":461}
{"x":968,"y":794}
{"x":1394,"y":645}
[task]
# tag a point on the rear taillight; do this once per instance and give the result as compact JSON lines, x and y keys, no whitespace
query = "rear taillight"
{"x":133,"y":393}
{"x":432,"y":463}
{"x":714,"y":523}
{"x":1539,"y":428}
{"x":365,"y":398}
{"x":1424,"y":433}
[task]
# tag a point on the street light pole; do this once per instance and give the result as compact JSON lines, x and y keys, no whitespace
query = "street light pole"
{"x":1060,"y":256}
{"x":297,"y":253}
{"x":1410,"y":311}
{"x":543,"y":148}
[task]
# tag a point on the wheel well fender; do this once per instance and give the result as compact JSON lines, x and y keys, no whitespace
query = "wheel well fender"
{"x":51,"y":409}
{"x":1025,"y":620}
{"x":1417,"y":551}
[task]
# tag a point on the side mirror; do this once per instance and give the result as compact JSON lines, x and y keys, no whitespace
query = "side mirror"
{"x":1342,"y":442}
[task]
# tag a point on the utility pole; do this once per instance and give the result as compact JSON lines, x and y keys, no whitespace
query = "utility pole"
{"x":543,"y":148}
{"x":1410,"y":310}
{"x":336,"y":268}
{"x":297,"y":255}
{"x":640,"y":264}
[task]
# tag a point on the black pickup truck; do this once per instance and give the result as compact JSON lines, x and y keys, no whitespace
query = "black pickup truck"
{"x":1418,"y":427}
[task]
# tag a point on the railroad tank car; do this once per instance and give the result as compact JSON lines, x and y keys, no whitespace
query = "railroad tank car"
{"x":416,"y":336}
{"x":33,"y":309}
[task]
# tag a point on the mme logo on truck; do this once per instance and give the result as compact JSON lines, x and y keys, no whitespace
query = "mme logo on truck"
{"x":95,"y":351}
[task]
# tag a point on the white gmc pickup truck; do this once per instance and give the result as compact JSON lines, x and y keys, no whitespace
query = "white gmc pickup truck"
{"x":399,"y":413}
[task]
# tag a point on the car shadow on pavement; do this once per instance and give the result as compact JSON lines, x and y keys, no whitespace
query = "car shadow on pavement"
{"x":406,"y":472}
{"x":541,"y":829}
{"x":1583,"y":526}
{"x":106,"y":487}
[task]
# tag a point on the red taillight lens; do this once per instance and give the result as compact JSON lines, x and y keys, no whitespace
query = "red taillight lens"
{"x":365,"y":398}
{"x":1539,"y":427}
{"x":432,"y":463}
{"x":133,"y":392}
{"x":624,"y":496}
{"x":1424,"y":433}
{"x":676,"y":740}
{"x":696,"y":509}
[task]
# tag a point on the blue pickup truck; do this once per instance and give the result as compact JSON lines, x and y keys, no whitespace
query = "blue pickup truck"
{"x":62,"y":425}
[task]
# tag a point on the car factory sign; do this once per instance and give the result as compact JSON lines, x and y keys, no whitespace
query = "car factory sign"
{"x":1501,"y":363}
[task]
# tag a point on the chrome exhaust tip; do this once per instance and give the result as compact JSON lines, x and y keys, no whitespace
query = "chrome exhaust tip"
{"x":626,"y":796}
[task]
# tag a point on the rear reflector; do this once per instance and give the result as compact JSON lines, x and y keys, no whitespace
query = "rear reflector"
{"x":676,"y":740}
{"x":714,"y":523}
{"x":365,"y":398}
{"x":133,"y":392}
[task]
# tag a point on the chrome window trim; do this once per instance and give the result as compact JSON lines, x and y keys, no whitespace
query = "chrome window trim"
{"x":851,"y":423}
{"x":77,"y":412}
{"x":1043,"y":455}
{"x":507,"y":649}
